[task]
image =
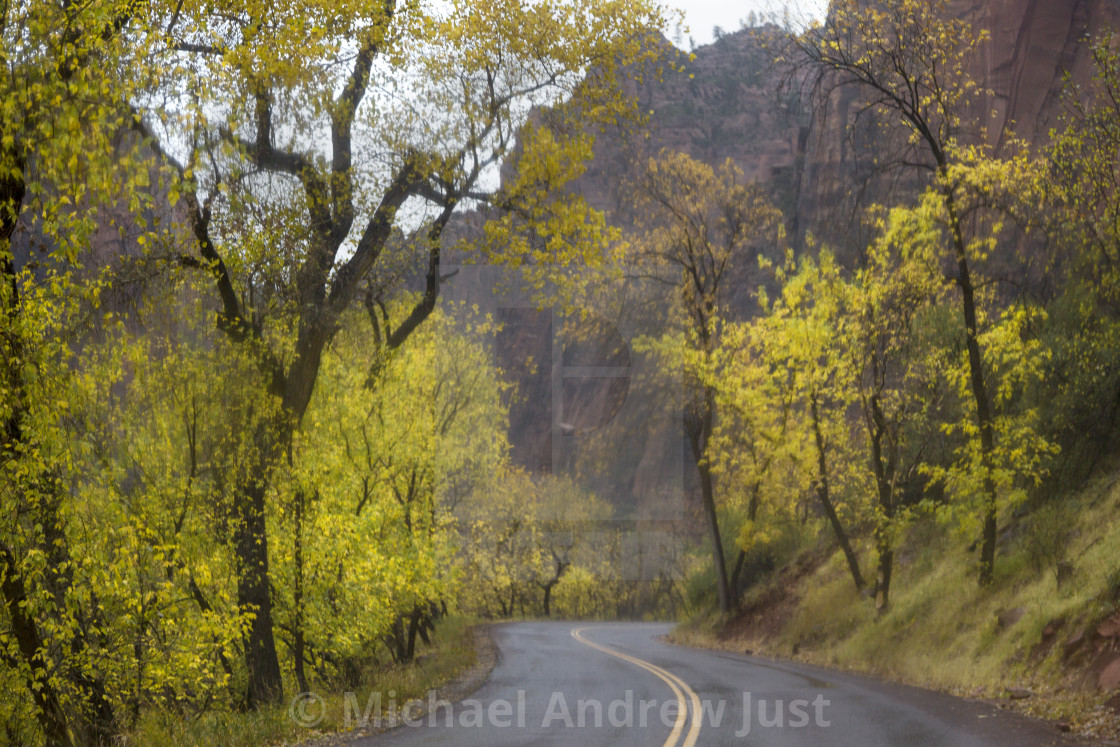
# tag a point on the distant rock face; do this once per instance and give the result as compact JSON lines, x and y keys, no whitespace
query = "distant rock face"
{"x":727,"y":103}
{"x":721,"y":105}
{"x":1034,"y":45}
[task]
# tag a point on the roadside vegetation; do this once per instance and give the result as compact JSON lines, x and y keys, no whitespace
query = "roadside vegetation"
{"x":340,"y":711}
{"x":234,"y":421}
{"x":1032,"y":640}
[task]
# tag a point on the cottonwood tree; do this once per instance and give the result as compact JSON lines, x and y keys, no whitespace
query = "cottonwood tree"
{"x":698,"y":228}
{"x":896,"y":375}
{"x":304,"y":137}
{"x":377,"y":457}
{"x":758,"y":446}
{"x":803,"y":343}
{"x":157,"y":437}
{"x":833,"y":344}
{"x":910,"y":59}
{"x":517,"y":534}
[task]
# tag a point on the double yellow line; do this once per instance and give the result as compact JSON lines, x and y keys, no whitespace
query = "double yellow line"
{"x":680,"y":690}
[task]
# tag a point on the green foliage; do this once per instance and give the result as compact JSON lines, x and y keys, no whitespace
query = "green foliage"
{"x":1022,"y":454}
{"x":1082,"y":181}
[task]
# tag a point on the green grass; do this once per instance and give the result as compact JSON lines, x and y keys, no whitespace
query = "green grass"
{"x":451,"y":653}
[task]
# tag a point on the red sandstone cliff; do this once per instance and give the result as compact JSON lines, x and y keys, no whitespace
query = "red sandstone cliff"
{"x":727,"y":103}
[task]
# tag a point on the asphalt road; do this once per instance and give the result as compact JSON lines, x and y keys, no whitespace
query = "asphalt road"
{"x":616,"y":684}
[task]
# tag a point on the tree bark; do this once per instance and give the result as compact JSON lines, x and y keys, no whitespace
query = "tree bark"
{"x":976,"y":380}
{"x":29,"y":640}
{"x":254,"y":597}
{"x":884,"y":468}
{"x":752,"y":514}
{"x":737,"y":572}
{"x":298,"y":645}
{"x":699,"y":432}
{"x":561,"y":567}
{"x":825,"y":498}
{"x":413,"y":629}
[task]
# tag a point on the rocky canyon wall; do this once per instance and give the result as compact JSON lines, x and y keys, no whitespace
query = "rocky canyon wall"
{"x":729,"y":102}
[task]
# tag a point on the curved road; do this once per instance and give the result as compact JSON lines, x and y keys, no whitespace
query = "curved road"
{"x":617,"y":684}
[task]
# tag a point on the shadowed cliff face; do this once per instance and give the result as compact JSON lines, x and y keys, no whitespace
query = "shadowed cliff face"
{"x":1034,"y":45}
{"x":724,"y":104}
{"x":728,"y":103}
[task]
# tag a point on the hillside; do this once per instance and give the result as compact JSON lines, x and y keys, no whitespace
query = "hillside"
{"x":1045,"y":639}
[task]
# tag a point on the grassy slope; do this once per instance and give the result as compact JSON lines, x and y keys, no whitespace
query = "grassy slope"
{"x":942,"y":631}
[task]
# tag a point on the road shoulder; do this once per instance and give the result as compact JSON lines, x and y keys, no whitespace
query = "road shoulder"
{"x":454,"y":690}
{"x":999,"y":715}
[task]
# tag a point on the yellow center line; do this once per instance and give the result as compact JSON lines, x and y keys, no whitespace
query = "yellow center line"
{"x":678,"y":686}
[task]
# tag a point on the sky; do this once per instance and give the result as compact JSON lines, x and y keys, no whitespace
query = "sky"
{"x":702,"y":15}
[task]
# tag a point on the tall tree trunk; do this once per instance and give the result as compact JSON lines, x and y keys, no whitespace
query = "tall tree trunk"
{"x":254,"y":597}
{"x":548,"y":586}
{"x":699,"y":431}
{"x":752,"y":514}
{"x":413,"y":628}
{"x":547,"y":600}
{"x":825,"y":498}
{"x":29,"y":640}
{"x":12,"y":191}
{"x":976,"y":379}
{"x":884,"y":467}
{"x":737,"y":572}
{"x":886,"y":569}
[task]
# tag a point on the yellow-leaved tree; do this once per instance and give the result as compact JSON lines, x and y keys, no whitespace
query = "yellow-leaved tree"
{"x":802,"y":334}
{"x":367,"y":502}
{"x":910,"y":61}
{"x":894,"y":366}
{"x":700,"y":232}
{"x":308,"y":140}
{"x":759,"y":447}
